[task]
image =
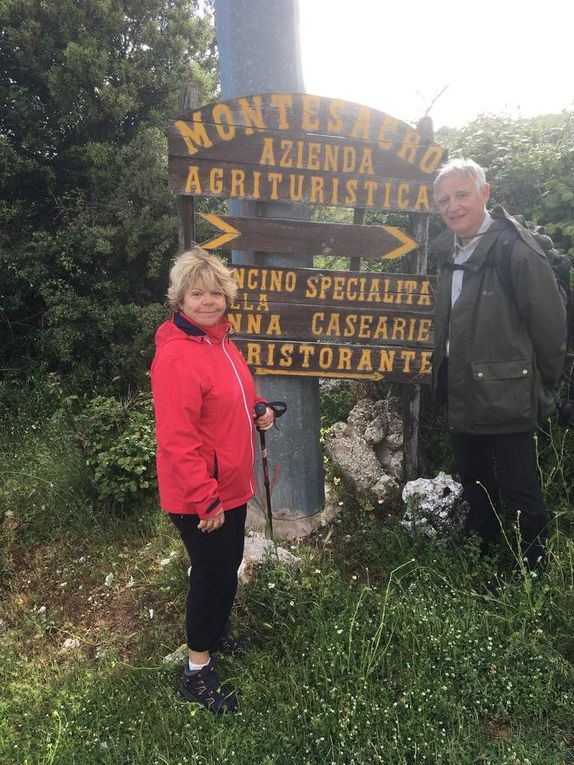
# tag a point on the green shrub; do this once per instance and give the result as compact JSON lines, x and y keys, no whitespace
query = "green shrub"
{"x":336,"y":403}
{"x":118,"y":441}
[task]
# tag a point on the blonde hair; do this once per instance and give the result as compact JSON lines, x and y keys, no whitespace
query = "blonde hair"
{"x":198,"y":268}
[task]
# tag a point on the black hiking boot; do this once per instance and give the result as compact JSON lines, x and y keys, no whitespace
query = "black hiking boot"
{"x":205,"y":687}
{"x":235,"y":647}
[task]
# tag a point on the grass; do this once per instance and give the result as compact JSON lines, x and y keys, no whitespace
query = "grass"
{"x":380,"y":649}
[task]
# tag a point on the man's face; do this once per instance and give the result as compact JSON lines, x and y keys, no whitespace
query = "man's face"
{"x":461,"y":205}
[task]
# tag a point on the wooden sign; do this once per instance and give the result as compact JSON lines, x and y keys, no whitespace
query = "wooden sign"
{"x":314,"y":286}
{"x":406,"y":365}
{"x":306,"y":321}
{"x":296,"y":147}
{"x":297,"y":237}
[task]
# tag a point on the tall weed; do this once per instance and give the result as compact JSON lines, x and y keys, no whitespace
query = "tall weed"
{"x":43,"y":480}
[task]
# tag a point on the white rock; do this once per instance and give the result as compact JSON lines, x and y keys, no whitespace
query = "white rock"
{"x":434,"y":506}
{"x":168,"y":560}
{"x":353,"y":456}
{"x":177,"y":656}
{"x":70,"y":643}
{"x":385,"y":485}
{"x":257,"y":548}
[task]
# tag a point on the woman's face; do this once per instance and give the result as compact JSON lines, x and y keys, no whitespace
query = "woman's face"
{"x":204,"y":306}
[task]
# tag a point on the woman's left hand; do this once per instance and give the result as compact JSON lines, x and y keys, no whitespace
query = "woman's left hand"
{"x":265,"y":421}
{"x":213,"y":523}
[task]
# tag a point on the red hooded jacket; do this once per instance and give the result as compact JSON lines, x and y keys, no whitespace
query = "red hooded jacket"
{"x":204,"y":397}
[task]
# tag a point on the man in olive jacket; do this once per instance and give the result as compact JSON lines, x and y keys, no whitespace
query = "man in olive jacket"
{"x":500,"y":340}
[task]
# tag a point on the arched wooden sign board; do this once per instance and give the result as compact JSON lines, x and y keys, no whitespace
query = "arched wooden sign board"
{"x":296,"y":147}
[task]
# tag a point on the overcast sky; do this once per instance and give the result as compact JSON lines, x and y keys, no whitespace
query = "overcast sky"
{"x":492,"y":56}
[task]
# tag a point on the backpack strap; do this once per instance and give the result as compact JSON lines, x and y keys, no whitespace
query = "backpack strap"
{"x":499,"y":259}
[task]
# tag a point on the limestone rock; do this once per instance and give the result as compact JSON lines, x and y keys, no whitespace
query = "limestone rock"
{"x":178,"y":656}
{"x":435,"y":507}
{"x":257,"y":548}
{"x":353,"y":456}
{"x":369,"y":445}
{"x":70,"y":644}
{"x":385,"y":486}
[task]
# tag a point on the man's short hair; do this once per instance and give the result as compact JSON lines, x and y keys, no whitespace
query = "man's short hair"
{"x":466,"y":167}
{"x":198,"y":268}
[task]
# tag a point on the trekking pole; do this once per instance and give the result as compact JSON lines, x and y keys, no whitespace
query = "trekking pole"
{"x":279,"y":408}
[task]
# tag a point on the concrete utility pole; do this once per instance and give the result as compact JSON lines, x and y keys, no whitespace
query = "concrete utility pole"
{"x":258,"y":43}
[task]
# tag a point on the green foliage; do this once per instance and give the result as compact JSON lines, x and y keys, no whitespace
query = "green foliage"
{"x":382,"y":648}
{"x":555,"y":449}
{"x":87,"y":226}
{"x":336,"y":403}
{"x":44,"y":485}
{"x":406,"y":662}
{"x":118,"y":440}
{"x":65,"y":463}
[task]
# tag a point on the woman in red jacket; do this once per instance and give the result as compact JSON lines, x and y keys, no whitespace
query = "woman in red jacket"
{"x":204,"y":399}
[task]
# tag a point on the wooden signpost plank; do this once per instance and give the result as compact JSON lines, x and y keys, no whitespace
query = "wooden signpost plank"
{"x":296,"y":147}
{"x":278,"y":122}
{"x":408,"y":293}
{"x":308,"y":322}
{"x":297,"y":237}
{"x":238,"y":180}
{"x":357,"y":362}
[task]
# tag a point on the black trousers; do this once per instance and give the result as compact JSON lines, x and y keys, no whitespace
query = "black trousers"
{"x":501,"y":471}
{"x":215,"y":559}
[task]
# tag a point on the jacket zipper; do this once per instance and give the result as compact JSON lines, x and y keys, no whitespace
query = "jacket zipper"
{"x":250,"y":421}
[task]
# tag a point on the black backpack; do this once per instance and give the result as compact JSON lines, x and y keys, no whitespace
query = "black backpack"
{"x":561,"y":267}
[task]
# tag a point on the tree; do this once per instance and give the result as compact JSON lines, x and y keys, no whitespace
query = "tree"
{"x":87,"y":225}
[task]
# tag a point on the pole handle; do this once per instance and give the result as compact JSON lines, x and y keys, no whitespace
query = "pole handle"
{"x":260,"y":408}
{"x":279,"y":408}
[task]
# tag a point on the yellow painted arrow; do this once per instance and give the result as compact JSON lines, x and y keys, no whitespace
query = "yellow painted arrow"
{"x":319,"y":373}
{"x":218,"y":241}
{"x":407,"y":245}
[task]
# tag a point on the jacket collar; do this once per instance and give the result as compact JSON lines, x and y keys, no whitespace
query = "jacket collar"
{"x":216,"y":333}
{"x":443,"y":246}
{"x":502,"y":221}
{"x":487,"y":240}
{"x":182,"y":322}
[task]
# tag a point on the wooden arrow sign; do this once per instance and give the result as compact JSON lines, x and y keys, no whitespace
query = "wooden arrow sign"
{"x":298,"y":237}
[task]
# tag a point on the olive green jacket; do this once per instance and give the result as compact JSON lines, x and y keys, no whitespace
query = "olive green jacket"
{"x":506,"y":350}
